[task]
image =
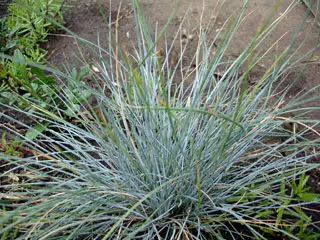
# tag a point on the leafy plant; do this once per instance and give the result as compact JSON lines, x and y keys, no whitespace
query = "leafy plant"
{"x":301,"y":192}
{"x":10,"y":149}
{"x":153,"y":160}
{"x":10,"y":234}
{"x":29,"y":23}
{"x":24,"y":86}
{"x":19,"y":79}
{"x":23,"y":80}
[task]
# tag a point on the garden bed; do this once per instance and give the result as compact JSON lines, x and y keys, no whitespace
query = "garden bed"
{"x":205,"y":163}
{"x":86,"y":21}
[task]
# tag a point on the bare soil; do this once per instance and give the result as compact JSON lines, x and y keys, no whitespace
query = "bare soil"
{"x":4,"y":7}
{"x":85,"y":20}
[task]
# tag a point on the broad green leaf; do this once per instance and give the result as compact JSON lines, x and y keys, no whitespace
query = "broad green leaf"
{"x":49,"y":80}
{"x":264,"y":214}
{"x":3,"y":71}
{"x":72,"y":110}
{"x":38,"y":72}
{"x":35,"y":131}
{"x":42,"y":77}
{"x":18,"y":57}
{"x":310,"y":197}
{"x":83,"y":71}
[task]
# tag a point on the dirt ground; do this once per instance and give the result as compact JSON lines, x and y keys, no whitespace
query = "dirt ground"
{"x":85,"y":20}
{"x":4,"y":7}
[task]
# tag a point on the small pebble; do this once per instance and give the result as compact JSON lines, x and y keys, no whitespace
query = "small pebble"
{"x":95,"y":68}
{"x":184,"y":31}
{"x":190,"y":37}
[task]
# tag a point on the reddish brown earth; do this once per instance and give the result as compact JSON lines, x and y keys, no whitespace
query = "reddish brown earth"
{"x":85,"y":20}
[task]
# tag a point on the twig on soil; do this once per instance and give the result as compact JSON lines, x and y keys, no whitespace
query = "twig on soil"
{"x":302,"y":124}
{"x":51,"y":53}
{"x":121,"y":17}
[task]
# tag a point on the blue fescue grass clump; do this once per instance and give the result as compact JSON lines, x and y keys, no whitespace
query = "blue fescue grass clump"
{"x":157,"y":160}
